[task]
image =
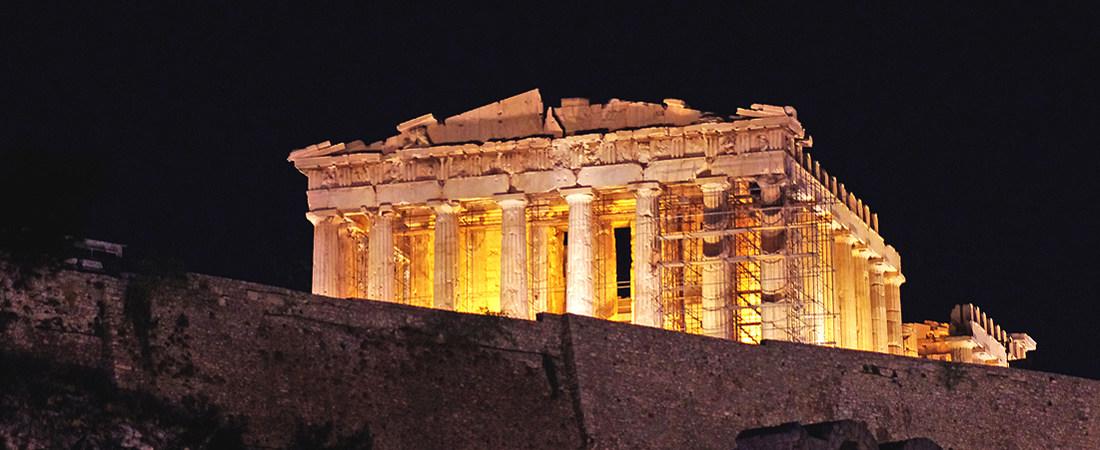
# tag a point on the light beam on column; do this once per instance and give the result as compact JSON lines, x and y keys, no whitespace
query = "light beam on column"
{"x":580,"y":290}
{"x":326,"y":253}
{"x":647,"y":281}
{"x":446,"y":255}
{"x":513,"y":255}
{"x":381,"y":264}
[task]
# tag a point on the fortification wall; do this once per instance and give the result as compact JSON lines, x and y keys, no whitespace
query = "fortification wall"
{"x":651,"y":388}
{"x":419,"y":378}
{"x":286,"y":361}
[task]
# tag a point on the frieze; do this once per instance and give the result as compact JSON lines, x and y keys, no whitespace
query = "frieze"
{"x":540,"y":154}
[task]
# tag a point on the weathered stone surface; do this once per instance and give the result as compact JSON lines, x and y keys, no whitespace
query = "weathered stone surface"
{"x":341,"y":197}
{"x":752,"y":164}
{"x":543,"y":181}
{"x":405,"y":193}
{"x":577,"y":115}
{"x":281,"y":358}
{"x":836,"y":435}
{"x":475,"y":187}
{"x":911,"y":444}
{"x":675,"y":170}
{"x":513,"y":117}
{"x":607,"y":176}
{"x":54,"y":406}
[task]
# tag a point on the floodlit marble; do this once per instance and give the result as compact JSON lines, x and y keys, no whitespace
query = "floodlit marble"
{"x":518,"y":207}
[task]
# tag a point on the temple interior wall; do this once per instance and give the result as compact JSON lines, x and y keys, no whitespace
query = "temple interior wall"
{"x":479,"y":269}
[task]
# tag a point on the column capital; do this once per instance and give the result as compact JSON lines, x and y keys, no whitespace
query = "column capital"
{"x":385,"y":210}
{"x":769,"y":180}
{"x":844,"y":237}
{"x":645,"y":188}
{"x":878,"y":265}
{"x":317,"y":216}
{"x":862,"y":251}
{"x":444,"y":206}
{"x":895,"y":278}
{"x":713,"y":183}
{"x":578,"y":194}
{"x":515,"y":200}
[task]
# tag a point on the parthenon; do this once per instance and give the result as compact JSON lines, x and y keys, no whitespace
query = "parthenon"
{"x":652,"y":214}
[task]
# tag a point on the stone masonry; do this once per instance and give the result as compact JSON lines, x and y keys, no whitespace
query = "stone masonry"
{"x":427,"y":378}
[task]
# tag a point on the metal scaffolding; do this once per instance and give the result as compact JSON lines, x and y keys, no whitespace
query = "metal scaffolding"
{"x":801,"y":294}
{"x":754,"y":265}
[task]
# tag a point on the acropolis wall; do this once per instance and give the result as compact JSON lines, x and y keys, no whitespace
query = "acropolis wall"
{"x":410,"y":377}
{"x":652,"y":214}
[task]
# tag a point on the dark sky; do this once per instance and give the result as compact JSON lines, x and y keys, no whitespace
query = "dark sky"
{"x":970,"y":130}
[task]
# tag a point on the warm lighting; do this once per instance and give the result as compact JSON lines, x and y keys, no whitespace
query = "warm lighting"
{"x":742,"y":235}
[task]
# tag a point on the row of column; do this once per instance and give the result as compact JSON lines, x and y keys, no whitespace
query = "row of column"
{"x":867,"y":291}
{"x":867,"y":298}
{"x":375,"y":274}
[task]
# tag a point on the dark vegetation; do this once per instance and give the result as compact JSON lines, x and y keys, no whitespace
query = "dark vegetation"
{"x":47,"y":405}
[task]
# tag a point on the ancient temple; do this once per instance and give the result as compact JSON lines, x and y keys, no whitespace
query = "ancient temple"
{"x":653,"y":214}
{"x":971,"y":336}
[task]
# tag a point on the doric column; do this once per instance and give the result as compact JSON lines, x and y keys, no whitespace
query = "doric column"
{"x":362,"y":264}
{"x":862,"y":275}
{"x":540,"y":268}
{"x":879,"y":336}
{"x":717,"y":306}
{"x":446,"y":255}
{"x":647,"y":280}
{"x":844,"y":281}
{"x":326,"y":254}
{"x":348,"y":261}
{"x":962,"y":351}
{"x":774,"y":305}
{"x":580,"y":291}
{"x":513,"y":255}
{"x":894,"y":281}
{"x":380,"y":258}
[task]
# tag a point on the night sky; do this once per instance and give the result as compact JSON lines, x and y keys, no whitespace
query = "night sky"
{"x":970,"y":130}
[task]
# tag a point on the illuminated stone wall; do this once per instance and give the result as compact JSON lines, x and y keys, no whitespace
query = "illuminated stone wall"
{"x":424,"y":378}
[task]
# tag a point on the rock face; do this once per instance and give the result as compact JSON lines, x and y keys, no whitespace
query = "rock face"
{"x":836,"y":435}
{"x":287,"y":368}
{"x":45,"y":405}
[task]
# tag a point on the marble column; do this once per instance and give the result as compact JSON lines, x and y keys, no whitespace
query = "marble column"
{"x":348,"y":261}
{"x":647,"y":279}
{"x":513,"y":255}
{"x":717,"y":302}
{"x":862,"y":275}
{"x":326,"y":254}
{"x":580,"y":289}
{"x":775,"y":307}
{"x":962,"y":352}
{"x":540,"y":269}
{"x":879,"y":336}
{"x":894,"y":281}
{"x":446,"y":255}
{"x":381,"y":256}
{"x":844,"y":282}
{"x":362,"y":265}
